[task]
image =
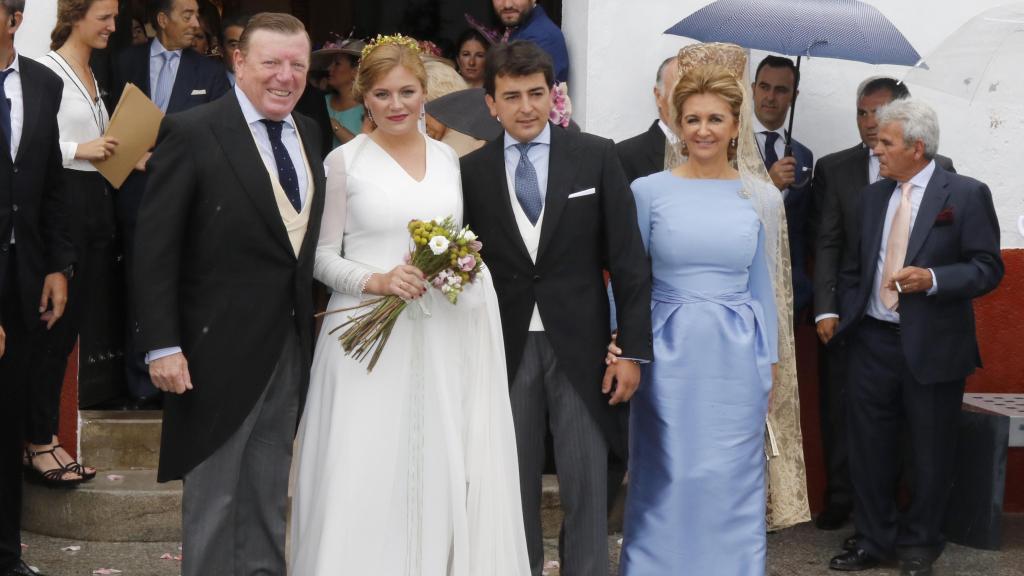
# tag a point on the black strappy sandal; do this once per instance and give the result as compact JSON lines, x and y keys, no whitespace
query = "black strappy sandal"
{"x":77,"y":467}
{"x":55,"y":478}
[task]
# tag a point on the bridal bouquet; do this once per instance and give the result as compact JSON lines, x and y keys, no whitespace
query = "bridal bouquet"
{"x":449,"y":257}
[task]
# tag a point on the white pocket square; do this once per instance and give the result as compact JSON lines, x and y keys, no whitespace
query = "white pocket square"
{"x":199,"y":92}
{"x":586,"y":192}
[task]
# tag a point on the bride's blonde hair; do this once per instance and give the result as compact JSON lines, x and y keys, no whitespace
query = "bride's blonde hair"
{"x":378,"y":60}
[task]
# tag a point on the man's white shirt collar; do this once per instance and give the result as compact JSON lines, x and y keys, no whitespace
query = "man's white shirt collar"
{"x":921,"y":179}
{"x":670,"y":135}
{"x":251,"y":114}
{"x":15,"y":64}
{"x":543,"y":138}
{"x":156,"y":48}
{"x":760,"y":129}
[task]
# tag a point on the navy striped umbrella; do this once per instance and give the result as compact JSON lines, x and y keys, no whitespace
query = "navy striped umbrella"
{"x":845,"y":29}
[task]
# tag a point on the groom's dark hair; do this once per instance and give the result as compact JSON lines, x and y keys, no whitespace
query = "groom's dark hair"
{"x":519,"y":58}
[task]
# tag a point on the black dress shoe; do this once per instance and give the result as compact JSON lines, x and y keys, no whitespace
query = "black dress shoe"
{"x":19,"y":568}
{"x":854,"y":561}
{"x":832,"y":518}
{"x":850,"y":544}
{"x":154,"y":402}
{"x":915,"y":567}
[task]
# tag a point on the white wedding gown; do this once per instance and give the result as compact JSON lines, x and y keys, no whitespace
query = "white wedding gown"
{"x":410,"y":470}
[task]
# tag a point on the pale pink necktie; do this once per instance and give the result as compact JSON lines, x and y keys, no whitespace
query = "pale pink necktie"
{"x":896,"y":247}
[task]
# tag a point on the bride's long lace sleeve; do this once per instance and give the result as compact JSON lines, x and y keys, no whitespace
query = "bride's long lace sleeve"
{"x":331,"y":267}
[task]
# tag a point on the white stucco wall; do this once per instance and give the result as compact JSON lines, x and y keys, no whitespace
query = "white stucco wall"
{"x":33,"y":39}
{"x":616,"y":46}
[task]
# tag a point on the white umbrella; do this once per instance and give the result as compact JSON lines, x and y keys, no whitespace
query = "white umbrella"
{"x":983,"y":60}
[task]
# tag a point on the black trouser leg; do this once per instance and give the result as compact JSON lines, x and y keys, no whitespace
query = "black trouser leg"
{"x":47,"y":365}
{"x":135,"y":370}
{"x":13,"y":384}
{"x":832,"y":374}
{"x":932,"y":412}
{"x":874,"y":419}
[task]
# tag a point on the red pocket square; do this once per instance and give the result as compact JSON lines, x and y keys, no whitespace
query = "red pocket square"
{"x":944,"y":217}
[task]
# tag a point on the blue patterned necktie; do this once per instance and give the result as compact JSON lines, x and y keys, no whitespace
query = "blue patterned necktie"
{"x":285,"y":168}
{"x":527,"y":187}
{"x":5,"y":109}
{"x":164,"y":82}
{"x":770,"y":156}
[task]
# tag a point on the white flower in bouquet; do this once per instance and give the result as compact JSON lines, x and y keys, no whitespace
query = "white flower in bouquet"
{"x":438,"y":245}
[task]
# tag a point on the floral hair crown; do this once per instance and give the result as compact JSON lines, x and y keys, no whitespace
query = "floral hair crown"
{"x":394,"y":40}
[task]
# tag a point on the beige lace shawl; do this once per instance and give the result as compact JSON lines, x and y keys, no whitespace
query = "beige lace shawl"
{"x":787,"y":502}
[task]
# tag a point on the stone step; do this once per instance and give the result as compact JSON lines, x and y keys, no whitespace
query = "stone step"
{"x":116,"y":506}
{"x":120,"y":440}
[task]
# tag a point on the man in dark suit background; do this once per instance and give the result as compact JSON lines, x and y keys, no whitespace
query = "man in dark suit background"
{"x":554,"y":211}
{"x":232,"y":214}
{"x":839,"y":179}
{"x":176,"y":78}
{"x":36,"y":253}
{"x":776,"y":86}
{"x":929,"y":245}
{"x":644,"y":154}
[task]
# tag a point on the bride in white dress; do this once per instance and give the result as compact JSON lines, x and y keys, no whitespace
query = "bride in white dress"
{"x":410,"y":470}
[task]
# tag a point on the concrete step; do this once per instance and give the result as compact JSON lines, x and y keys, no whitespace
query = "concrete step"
{"x":120,"y":440}
{"x":116,"y":506}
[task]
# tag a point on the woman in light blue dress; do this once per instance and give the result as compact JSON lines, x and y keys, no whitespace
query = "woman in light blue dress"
{"x":696,"y":501}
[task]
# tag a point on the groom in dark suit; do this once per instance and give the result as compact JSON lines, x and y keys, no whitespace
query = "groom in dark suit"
{"x":35,"y":254}
{"x":839,"y":179}
{"x":929,"y":245}
{"x":224,"y":292}
{"x":554,"y":210}
{"x":176,"y":78}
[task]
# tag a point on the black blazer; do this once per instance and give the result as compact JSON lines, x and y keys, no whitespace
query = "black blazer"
{"x":216,"y":274}
{"x":839,"y":179}
{"x":32,"y":199}
{"x":199,"y":80}
{"x":956,"y":234}
{"x":643,"y":154}
{"x":580,"y":238}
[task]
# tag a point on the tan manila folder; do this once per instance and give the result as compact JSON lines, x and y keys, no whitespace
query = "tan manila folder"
{"x":134,"y":124}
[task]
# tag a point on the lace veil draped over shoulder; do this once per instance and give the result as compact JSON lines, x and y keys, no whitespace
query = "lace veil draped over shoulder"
{"x":787,"y":479}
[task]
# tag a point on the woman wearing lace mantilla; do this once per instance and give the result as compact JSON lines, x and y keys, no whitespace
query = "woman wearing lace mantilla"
{"x":410,"y":469}
{"x":723,"y":347}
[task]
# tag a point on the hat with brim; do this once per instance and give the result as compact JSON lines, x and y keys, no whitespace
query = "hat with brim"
{"x":323,"y":57}
{"x":466,"y":111}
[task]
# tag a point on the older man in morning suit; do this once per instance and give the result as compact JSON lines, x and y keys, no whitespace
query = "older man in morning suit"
{"x":176,"y":78}
{"x":35,"y":254}
{"x":839,"y":179}
{"x":224,"y":285}
{"x":929,"y":245}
